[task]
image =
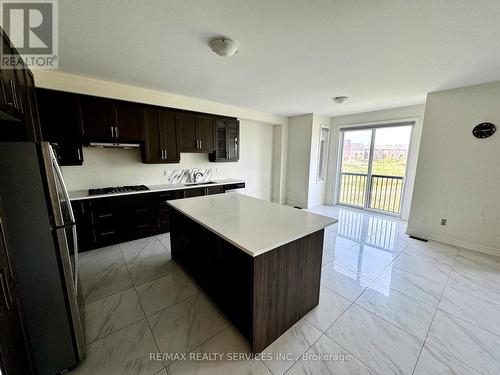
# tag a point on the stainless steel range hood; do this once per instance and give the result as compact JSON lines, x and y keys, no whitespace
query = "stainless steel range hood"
{"x":114,"y":145}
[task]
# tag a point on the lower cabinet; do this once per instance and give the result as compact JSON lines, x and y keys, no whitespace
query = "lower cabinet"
{"x":195,"y":192}
{"x":111,"y":220}
{"x":106,"y":221}
{"x":223,"y":271}
{"x":163,"y":208}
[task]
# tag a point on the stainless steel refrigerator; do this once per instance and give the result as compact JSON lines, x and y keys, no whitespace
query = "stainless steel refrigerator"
{"x":42,"y":237}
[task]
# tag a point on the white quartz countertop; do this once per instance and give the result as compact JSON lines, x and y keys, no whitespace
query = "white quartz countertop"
{"x":253,"y":225}
{"x":84,"y":194}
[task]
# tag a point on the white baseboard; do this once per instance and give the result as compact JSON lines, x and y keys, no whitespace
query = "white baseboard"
{"x":455,"y":242}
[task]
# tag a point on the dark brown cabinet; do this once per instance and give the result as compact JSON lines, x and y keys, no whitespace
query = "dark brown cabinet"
{"x":160,"y":129}
{"x":223,"y":271}
{"x":18,"y":107}
{"x":106,"y":221}
{"x":163,"y":208}
{"x":96,"y":119}
{"x":61,"y":124}
{"x":195,"y":192}
{"x":11,"y":94}
{"x":197,"y":133}
{"x":110,"y":121}
{"x":263,"y":295}
{"x":73,"y":120}
{"x":227,"y":133}
{"x":14,"y":352}
{"x":110,"y":220}
{"x":214,"y":190}
{"x":127,"y":120}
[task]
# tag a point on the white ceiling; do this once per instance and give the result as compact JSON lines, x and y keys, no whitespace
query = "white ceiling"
{"x":295,"y":55}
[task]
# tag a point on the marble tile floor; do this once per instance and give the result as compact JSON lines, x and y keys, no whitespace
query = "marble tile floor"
{"x":388,"y":305}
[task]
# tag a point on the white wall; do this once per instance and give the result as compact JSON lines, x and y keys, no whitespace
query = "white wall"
{"x":298,"y":160}
{"x":115,"y":167}
{"x":458,"y":176}
{"x":121,"y":167}
{"x":317,"y":189}
{"x":414,"y":112}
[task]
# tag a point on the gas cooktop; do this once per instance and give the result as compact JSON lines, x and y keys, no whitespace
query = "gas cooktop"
{"x":117,"y":189}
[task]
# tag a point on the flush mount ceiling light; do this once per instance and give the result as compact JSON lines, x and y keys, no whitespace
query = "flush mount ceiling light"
{"x":340,"y":99}
{"x":223,"y":46}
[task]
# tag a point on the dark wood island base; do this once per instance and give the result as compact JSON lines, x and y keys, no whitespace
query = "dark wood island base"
{"x":263,"y":296}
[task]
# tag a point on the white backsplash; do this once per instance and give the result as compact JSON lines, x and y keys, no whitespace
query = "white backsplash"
{"x":180,"y":176}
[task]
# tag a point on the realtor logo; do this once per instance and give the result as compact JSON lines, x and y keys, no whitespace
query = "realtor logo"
{"x":32,"y":28}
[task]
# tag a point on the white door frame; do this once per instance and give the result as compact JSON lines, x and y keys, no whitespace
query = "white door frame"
{"x":409,"y":160}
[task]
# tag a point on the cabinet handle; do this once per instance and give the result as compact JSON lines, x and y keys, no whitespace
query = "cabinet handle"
{"x":6,"y":247}
{"x":104,"y":215}
{"x":12,"y":93}
{"x":227,"y":155}
{"x":200,"y":144}
{"x":142,"y":226}
{"x":165,"y":154}
{"x":116,"y":132}
{"x":142,"y":210}
{"x":79,"y":154}
{"x":5,"y":290}
{"x":112,"y":131}
{"x":18,"y":98}
{"x":107,"y":233}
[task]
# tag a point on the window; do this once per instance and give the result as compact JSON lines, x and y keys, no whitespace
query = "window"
{"x":324,"y":137}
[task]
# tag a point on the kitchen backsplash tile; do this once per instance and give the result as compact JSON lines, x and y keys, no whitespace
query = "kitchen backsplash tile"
{"x":180,"y":176}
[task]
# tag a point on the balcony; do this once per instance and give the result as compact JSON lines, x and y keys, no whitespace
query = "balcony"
{"x":376,"y":192}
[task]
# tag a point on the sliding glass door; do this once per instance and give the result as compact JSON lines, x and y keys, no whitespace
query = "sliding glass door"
{"x":373,"y":167}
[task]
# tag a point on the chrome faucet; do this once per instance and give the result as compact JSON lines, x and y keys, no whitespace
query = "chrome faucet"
{"x":196,"y":175}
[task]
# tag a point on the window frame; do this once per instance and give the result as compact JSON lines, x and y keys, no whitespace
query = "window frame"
{"x":322,"y":170}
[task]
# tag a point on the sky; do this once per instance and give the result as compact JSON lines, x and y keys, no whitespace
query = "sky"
{"x":384,"y":136}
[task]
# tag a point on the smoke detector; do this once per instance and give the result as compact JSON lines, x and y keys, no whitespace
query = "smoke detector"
{"x":223,"y":46}
{"x":340,"y":99}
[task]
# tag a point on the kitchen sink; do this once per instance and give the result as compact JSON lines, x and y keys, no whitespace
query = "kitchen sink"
{"x":199,"y":183}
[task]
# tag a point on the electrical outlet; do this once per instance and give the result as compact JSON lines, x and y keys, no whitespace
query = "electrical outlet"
{"x":444,"y":221}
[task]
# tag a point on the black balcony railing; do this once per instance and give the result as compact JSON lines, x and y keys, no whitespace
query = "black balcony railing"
{"x":384,"y":193}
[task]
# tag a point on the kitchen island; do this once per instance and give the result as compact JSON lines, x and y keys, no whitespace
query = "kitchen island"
{"x":259,"y":261}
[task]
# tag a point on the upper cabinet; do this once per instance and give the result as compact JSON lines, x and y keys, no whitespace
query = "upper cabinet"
{"x":10,"y":100}
{"x":110,"y":121}
{"x":61,"y":123}
{"x":18,"y":107}
{"x":71,"y":120}
{"x":161,"y":135}
{"x":197,"y":133}
{"x":127,"y":120}
{"x":227,"y":133}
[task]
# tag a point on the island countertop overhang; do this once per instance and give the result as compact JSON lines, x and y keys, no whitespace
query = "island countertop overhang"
{"x":253,"y":225}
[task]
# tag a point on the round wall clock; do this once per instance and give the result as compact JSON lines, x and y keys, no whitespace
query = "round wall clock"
{"x":484,"y":130}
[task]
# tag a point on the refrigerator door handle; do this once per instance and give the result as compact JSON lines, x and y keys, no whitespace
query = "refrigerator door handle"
{"x":59,"y":176}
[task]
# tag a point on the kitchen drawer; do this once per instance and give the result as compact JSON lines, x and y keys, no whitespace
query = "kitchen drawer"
{"x":194,"y":192}
{"x":239,"y":185}
{"x":215,"y":190}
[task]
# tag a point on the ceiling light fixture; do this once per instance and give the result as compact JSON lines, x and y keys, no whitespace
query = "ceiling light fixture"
{"x":340,"y":99}
{"x":223,"y":46}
